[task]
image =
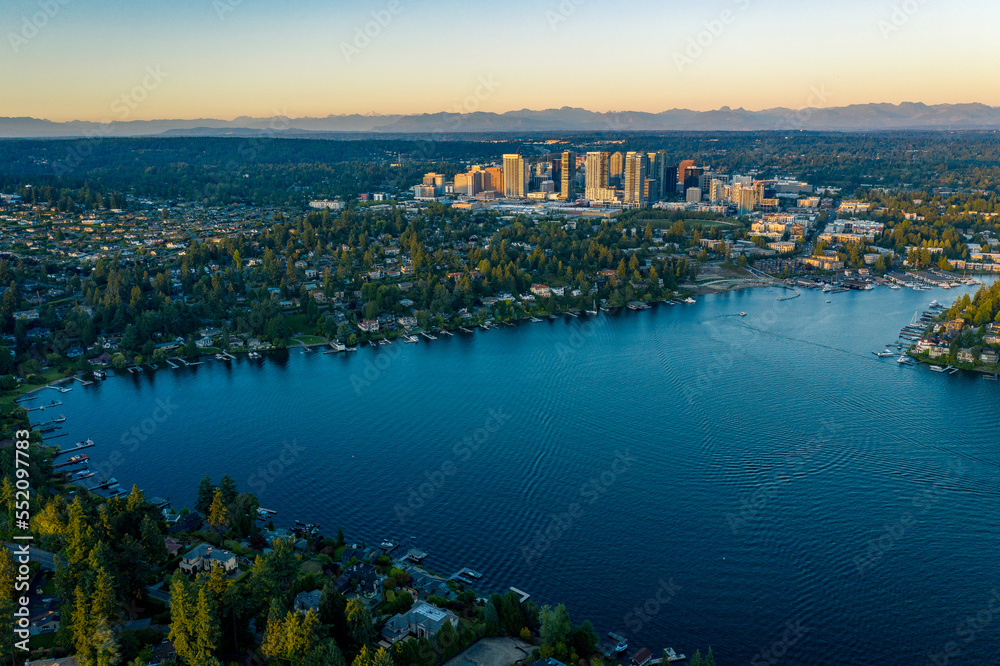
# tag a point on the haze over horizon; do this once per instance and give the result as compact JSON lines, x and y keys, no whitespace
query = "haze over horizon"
{"x":226,"y":59}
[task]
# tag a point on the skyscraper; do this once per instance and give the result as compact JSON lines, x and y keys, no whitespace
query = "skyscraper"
{"x":616,"y":168}
{"x":635,"y":177}
{"x":597,"y":177}
{"x":515,"y":176}
{"x":567,"y":174}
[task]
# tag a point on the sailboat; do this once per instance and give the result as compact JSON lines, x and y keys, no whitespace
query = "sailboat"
{"x":594,"y":311}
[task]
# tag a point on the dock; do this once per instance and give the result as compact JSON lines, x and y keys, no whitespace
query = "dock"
{"x":41,"y":407}
{"x":428,"y":336}
{"x":80,"y":446}
{"x":465,"y":330}
{"x":523,"y":596}
{"x":444,"y":332}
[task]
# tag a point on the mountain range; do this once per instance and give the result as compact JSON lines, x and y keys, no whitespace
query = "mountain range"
{"x":854,"y":118}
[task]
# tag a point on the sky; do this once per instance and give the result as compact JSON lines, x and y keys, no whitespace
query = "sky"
{"x":105,"y":60}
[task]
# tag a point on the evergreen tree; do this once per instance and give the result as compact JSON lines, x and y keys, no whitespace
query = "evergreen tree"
{"x":359,"y":620}
{"x":206,"y":493}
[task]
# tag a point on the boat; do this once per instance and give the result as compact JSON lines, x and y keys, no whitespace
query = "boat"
{"x":262,"y":511}
{"x":829,"y":301}
{"x":905,"y":360}
{"x":827,"y":288}
{"x":938,"y":368}
{"x":894,"y":286}
{"x":535,"y":319}
{"x":884,"y":354}
{"x":743,"y":314}
{"x":410,"y":339}
{"x":690,"y":300}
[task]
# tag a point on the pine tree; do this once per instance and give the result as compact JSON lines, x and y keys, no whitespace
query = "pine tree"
{"x":104,"y":601}
{"x":206,"y":491}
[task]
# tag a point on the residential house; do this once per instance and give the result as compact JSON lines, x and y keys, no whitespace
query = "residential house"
{"x":368,"y":325}
{"x":966,"y":356}
{"x":989,"y":356}
{"x":307,"y":601}
{"x":422,"y":620}
{"x":541,"y":290}
{"x":361,"y":577}
{"x":173,"y":545}
{"x":205,"y":556}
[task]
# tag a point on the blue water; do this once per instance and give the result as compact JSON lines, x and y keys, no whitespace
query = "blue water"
{"x":755,"y":473}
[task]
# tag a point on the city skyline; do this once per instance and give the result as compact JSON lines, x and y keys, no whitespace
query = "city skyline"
{"x":232,"y":58}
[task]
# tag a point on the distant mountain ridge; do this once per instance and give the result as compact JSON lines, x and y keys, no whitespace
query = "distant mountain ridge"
{"x":854,"y":118}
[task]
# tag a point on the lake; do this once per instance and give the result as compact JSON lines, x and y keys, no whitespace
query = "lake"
{"x":682,"y":475}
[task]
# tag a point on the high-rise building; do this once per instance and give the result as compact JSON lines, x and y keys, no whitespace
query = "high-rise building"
{"x":669,"y":185}
{"x":597,"y":176}
{"x":616,"y":168}
{"x":493,"y":180}
{"x":717,"y":191}
{"x":692,"y":177}
{"x":682,"y":172}
{"x":515,"y":176}
{"x":567,"y":175}
{"x":635,"y":177}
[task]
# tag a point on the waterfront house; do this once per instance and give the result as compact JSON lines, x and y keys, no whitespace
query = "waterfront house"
{"x":205,"y":556}
{"x":989,"y":356}
{"x":422,"y":620}
{"x":307,"y":601}
{"x":966,"y":356}
{"x":541,"y":290}
{"x":368,"y":325}
{"x":641,"y":657}
{"x":361,"y":577}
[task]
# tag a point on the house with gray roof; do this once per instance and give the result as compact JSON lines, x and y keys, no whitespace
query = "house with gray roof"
{"x":205,"y":556}
{"x":422,"y":620}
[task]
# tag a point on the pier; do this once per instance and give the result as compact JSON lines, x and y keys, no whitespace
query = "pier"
{"x":428,"y":336}
{"x":41,"y":407}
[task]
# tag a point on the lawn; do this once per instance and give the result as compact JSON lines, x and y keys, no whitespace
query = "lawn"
{"x":307,"y":340}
